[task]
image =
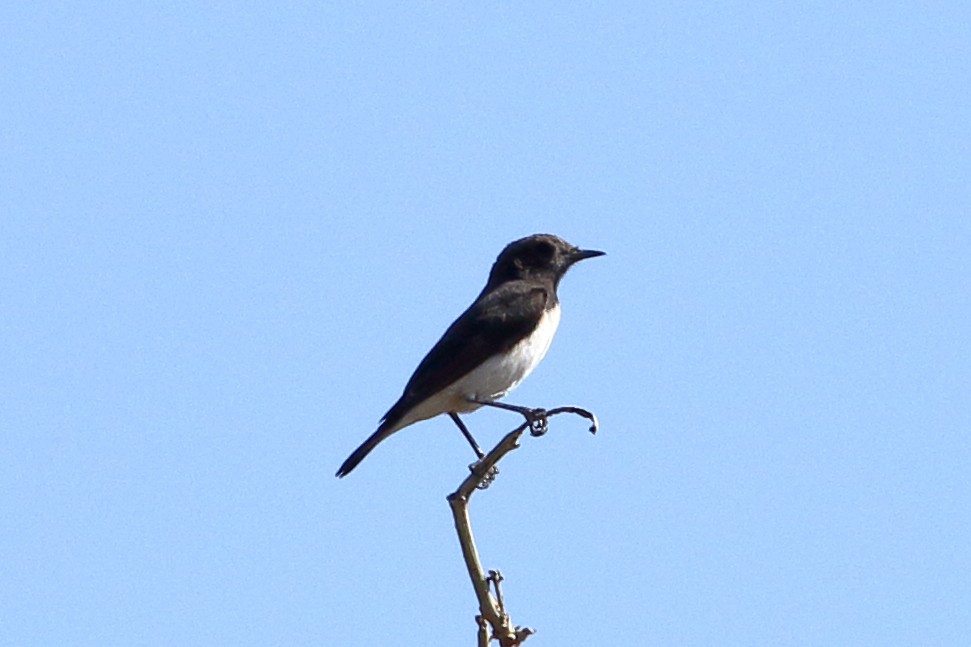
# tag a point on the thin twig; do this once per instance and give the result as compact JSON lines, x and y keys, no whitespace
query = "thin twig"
{"x":482,"y":636}
{"x":589,"y":415}
{"x":495,"y":577}
{"x":492,"y":607}
{"x":459,"y":502}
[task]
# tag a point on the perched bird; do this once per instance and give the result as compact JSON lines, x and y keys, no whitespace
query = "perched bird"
{"x":492,"y":346}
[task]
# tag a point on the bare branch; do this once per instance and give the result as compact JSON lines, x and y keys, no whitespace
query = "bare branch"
{"x":492,"y":607}
{"x":482,"y":636}
{"x":589,"y":415}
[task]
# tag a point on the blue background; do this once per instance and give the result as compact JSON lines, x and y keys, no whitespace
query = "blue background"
{"x":229,"y":232}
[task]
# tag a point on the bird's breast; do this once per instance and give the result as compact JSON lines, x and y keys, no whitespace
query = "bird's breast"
{"x":501,"y":373}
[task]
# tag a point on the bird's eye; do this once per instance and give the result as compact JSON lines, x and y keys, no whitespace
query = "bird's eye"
{"x":544,"y":249}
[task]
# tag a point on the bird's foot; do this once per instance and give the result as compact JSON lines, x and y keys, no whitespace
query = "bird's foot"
{"x":538,"y":420}
{"x":487,"y":478}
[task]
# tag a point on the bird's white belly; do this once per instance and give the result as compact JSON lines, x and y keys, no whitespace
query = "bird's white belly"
{"x":501,"y":373}
{"x":493,"y":378}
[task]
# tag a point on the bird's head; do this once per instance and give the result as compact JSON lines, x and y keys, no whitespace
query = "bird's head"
{"x":540,"y":256}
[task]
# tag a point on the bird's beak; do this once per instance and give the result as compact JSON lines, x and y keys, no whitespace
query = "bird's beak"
{"x":580,"y":254}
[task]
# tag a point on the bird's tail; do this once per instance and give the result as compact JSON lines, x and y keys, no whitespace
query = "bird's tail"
{"x":358,"y":454}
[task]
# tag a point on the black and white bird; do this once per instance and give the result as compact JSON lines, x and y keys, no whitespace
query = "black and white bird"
{"x":492,"y":346}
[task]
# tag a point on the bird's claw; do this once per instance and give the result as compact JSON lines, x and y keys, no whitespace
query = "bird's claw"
{"x":538,"y":420}
{"x":487,"y":478}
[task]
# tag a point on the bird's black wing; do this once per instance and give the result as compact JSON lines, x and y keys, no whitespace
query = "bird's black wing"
{"x":493,"y":324}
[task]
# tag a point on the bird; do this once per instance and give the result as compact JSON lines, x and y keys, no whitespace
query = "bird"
{"x":491,"y":347}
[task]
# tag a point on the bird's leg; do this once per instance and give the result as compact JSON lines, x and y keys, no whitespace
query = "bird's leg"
{"x":537,"y":418}
{"x":465,"y":432}
{"x":494,"y":472}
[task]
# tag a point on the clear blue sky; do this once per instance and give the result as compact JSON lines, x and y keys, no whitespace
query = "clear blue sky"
{"x":228,"y":233}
